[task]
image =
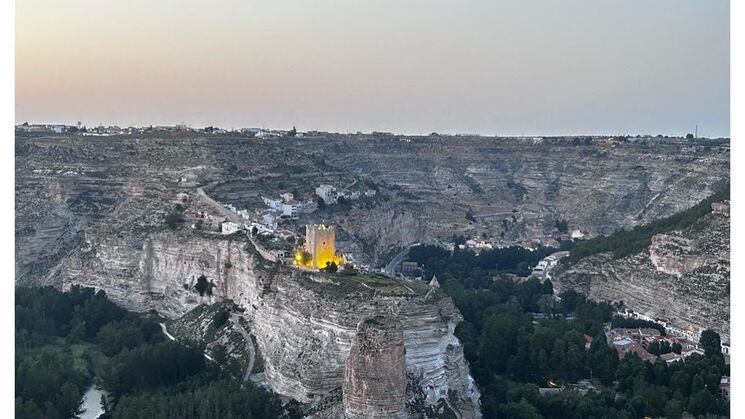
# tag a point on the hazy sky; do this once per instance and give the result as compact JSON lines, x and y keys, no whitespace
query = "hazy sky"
{"x":490,"y":67}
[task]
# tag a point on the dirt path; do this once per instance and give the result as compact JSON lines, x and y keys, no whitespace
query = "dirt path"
{"x":458,"y":415}
{"x":249,"y":345}
{"x":165,"y":331}
{"x":170,"y":336}
{"x":233,"y":217}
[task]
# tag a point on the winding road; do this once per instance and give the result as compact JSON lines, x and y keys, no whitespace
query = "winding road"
{"x":390,"y":268}
{"x":249,"y":345}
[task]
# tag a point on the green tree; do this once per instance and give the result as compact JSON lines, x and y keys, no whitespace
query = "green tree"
{"x":70,"y":401}
{"x":519,"y":410}
{"x":220,"y":318}
{"x":203,"y":286}
{"x":703,"y":402}
{"x":499,"y":338}
{"x":697,"y":384}
{"x":673,"y":409}
{"x":655,"y":400}
{"x":547,"y":288}
{"x":711,"y":343}
{"x":330,"y":267}
{"x":173,"y":219}
{"x":219,"y":354}
{"x":603,"y":359}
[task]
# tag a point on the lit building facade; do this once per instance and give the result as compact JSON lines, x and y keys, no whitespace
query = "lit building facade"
{"x":319,"y":248}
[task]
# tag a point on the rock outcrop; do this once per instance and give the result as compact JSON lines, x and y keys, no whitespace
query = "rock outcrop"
{"x":682,"y":276}
{"x":384,"y":228}
{"x":675,"y":255}
{"x":515,"y":189}
{"x":93,"y":210}
{"x":375,"y":371}
{"x":305,"y":323}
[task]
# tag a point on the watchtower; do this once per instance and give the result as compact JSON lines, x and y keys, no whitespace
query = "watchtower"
{"x":320,"y":242}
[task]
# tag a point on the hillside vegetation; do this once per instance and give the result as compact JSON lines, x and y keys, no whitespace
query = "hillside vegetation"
{"x":629,"y":242}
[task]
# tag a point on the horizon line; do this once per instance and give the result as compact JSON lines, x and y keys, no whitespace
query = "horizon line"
{"x":410,"y":133}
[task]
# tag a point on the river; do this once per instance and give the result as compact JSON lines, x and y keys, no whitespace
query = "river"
{"x":92,"y":403}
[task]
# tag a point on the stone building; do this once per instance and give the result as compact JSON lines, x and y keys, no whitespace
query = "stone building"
{"x":409,"y":268}
{"x":327,"y":193}
{"x":319,"y":248}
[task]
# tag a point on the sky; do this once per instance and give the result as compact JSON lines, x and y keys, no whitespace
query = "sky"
{"x":492,"y":67}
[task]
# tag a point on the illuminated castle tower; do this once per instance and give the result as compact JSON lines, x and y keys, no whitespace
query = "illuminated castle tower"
{"x":320,"y":242}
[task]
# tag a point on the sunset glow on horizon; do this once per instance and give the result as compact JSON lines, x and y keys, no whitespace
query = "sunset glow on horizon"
{"x":489,"y":67}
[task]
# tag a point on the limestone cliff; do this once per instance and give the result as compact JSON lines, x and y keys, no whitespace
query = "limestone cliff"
{"x":384,"y":228}
{"x":375,"y":371}
{"x":683,"y":275}
{"x":304,"y":323}
{"x":515,"y":188}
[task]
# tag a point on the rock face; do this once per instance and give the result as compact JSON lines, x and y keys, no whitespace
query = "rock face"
{"x":516,"y":189}
{"x":385,"y":228}
{"x":92,"y":211}
{"x":674,"y":254}
{"x":519,"y":188}
{"x":305,"y":324}
{"x":306,"y":364}
{"x":682,"y":276}
{"x":375,"y":371}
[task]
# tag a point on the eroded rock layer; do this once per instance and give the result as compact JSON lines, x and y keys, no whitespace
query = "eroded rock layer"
{"x":513,"y":188}
{"x":304,"y":323}
{"x":375,"y":371}
{"x":682,"y":276}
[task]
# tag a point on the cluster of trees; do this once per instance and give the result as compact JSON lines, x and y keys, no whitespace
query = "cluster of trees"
{"x":501,"y":337}
{"x":330,"y":267}
{"x":664,"y":347}
{"x":203,"y":286}
{"x":50,"y":377}
{"x":175,"y":217}
{"x":562,"y":226}
{"x":629,"y":323}
{"x":518,"y":337}
{"x":49,"y":384}
{"x":151,"y":366}
{"x":221,"y":398}
{"x":628,"y":242}
{"x":476,"y":270}
{"x":45,"y":314}
{"x":168,"y":379}
{"x":127,"y":333}
{"x":143,"y":374}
